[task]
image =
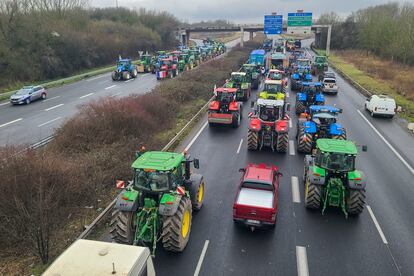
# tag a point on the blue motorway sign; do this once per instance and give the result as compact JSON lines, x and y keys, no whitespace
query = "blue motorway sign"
{"x":273,"y":24}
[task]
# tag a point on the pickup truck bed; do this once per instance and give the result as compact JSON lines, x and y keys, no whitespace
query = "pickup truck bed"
{"x":255,"y":197}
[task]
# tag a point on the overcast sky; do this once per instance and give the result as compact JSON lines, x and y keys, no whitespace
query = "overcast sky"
{"x":242,"y":11}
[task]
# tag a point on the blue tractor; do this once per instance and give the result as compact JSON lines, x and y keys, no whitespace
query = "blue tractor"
{"x":125,"y":70}
{"x":311,"y":94}
{"x":321,"y":122}
{"x":299,"y":75}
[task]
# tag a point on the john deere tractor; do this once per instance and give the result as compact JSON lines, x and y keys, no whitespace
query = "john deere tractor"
{"x":320,"y":65}
{"x":125,"y":70}
{"x":268,"y":126}
{"x":146,"y":64}
{"x":310,"y":95}
{"x":253,"y":74}
{"x":158,"y":204}
{"x":331,"y":179}
{"x":240,"y":81}
{"x":321,"y":122}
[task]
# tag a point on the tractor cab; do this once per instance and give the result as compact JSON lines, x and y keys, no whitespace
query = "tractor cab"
{"x":145,"y":63}
{"x":275,"y":74}
{"x":270,"y":110}
{"x":224,"y":109}
{"x":252,"y":73}
{"x":124,"y":64}
{"x":224,"y":97}
{"x":335,"y":159}
{"x":273,"y":90}
{"x":303,"y":62}
{"x":239,"y":80}
{"x":319,"y":66}
{"x":311,"y":94}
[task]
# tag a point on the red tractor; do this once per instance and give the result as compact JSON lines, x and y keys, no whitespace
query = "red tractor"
{"x":167,"y":68}
{"x":224,"y":109}
{"x":268,"y":126}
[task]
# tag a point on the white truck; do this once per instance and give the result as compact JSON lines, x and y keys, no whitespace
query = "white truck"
{"x":95,"y":258}
{"x":381,"y":105}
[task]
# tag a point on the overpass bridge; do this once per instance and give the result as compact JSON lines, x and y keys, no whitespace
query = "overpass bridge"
{"x":185,"y":33}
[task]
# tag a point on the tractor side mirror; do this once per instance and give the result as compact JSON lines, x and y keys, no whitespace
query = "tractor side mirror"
{"x":252,"y":104}
{"x":365,"y":148}
{"x":242,"y":170}
{"x":340,"y":110}
{"x":196,"y":163}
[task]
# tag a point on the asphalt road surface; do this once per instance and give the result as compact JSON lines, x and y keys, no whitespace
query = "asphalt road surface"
{"x":27,"y":124}
{"x":378,"y":242}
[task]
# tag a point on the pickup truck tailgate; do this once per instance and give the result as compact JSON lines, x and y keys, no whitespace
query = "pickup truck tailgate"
{"x":254,"y":204}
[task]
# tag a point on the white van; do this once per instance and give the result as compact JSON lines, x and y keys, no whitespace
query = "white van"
{"x":95,"y":258}
{"x":329,"y":85}
{"x":381,"y":105}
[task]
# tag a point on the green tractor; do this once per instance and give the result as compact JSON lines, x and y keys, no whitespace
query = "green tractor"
{"x":146,"y":64}
{"x":253,"y":74}
{"x":196,"y":56}
{"x":320,"y":65}
{"x":331,"y":178}
{"x":158,"y":204}
{"x":240,"y":81}
{"x":183,"y":62}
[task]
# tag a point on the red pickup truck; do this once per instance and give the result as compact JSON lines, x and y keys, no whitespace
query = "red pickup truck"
{"x":255,"y":204}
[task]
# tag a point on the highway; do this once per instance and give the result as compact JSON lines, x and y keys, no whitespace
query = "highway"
{"x":378,"y":242}
{"x":27,"y":124}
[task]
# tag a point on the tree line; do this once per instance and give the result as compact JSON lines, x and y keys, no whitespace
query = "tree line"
{"x":47,"y":39}
{"x":384,"y":30}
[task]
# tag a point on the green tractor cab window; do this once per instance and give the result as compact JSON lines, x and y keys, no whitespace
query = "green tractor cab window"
{"x":154,"y":181}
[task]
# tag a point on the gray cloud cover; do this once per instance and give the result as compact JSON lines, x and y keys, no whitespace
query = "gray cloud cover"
{"x":242,"y":11}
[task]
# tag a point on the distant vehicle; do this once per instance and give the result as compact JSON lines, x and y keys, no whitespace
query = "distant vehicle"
{"x":328,"y":74}
{"x":298,"y":43}
{"x":28,"y":94}
{"x":256,"y":200}
{"x":95,"y":258}
{"x":330,"y":86}
{"x":257,"y":57}
{"x":125,"y":70}
{"x":381,"y":105}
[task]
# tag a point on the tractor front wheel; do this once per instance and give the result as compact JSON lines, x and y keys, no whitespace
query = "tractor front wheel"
{"x":304,"y":141}
{"x":176,"y":229}
{"x":134,"y":73}
{"x":252,"y":140}
{"x":113,"y":75}
{"x":197,"y":193}
{"x":282,"y":142}
{"x":356,"y":201}
{"x":312,"y":195}
{"x":122,"y":226}
{"x":126,"y":76}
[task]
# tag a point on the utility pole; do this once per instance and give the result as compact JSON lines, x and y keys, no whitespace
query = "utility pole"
{"x":328,"y":40}
{"x":116,"y":3}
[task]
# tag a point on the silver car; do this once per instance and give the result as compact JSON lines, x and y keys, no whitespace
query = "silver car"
{"x":28,"y":94}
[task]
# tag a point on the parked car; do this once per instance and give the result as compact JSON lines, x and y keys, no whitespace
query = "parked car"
{"x":255,"y":204}
{"x":381,"y":105}
{"x":329,"y":85}
{"x":28,"y":94}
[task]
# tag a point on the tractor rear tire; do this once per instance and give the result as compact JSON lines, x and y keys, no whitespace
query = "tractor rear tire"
{"x":236,"y":119}
{"x":340,"y":137}
{"x":252,"y":140}
{"x":126,"y":75}
{"x":113,"y":75}
{"x":313,"y":195}
{"x":122,"y":229}
{"x":356,"y":201}
{"x":134,"y":73}
{"x":304,"y":146}
{"x":299,"y":107}
{"x":176,"y":229}
{"x":282,"y":142}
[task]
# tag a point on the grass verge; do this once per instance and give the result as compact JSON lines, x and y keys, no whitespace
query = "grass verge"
{"x":368,"y":76}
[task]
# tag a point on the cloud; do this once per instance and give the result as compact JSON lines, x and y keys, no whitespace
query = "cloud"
{"x":242,"y":11}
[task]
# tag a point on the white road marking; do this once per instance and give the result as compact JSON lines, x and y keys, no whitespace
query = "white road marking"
{"x":53,"y":107}
{"x":116,"y":94}
{"x":200,"y":261}
{"x":4,"y":103}
{"x":49,"y":99}
{"x":87,"y":95}
{"x":51,"y":121}
{"x":238,"y":149}
{"x":9,"y":123}
{"x":128,"y":80}
{"x":387,"y":143}
{"x":291,"y":147}
{"x":109,"y":87}
{"x":374,"y":219}
{"x":92,"y":79}
{"x":295,"y":190}
{"x":290,"y":123}
{"x":302,"y":261}
{"x":195,"y":137}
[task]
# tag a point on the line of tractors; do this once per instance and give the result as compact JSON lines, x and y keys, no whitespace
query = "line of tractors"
{"x":157,"y":205}
{"x":169,"y":64}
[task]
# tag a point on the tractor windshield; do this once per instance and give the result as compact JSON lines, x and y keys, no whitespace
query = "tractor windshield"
{"x":320,"y":60}
{"x":225,"y":97}
{"x":303,"y":62}
{"x":273,"y":88}
{"x":152,"y":181}
{"x":275,"y":76}
{"x":336,"y":161}
{"x":237,"y":78}
{"x":269,"y":114}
